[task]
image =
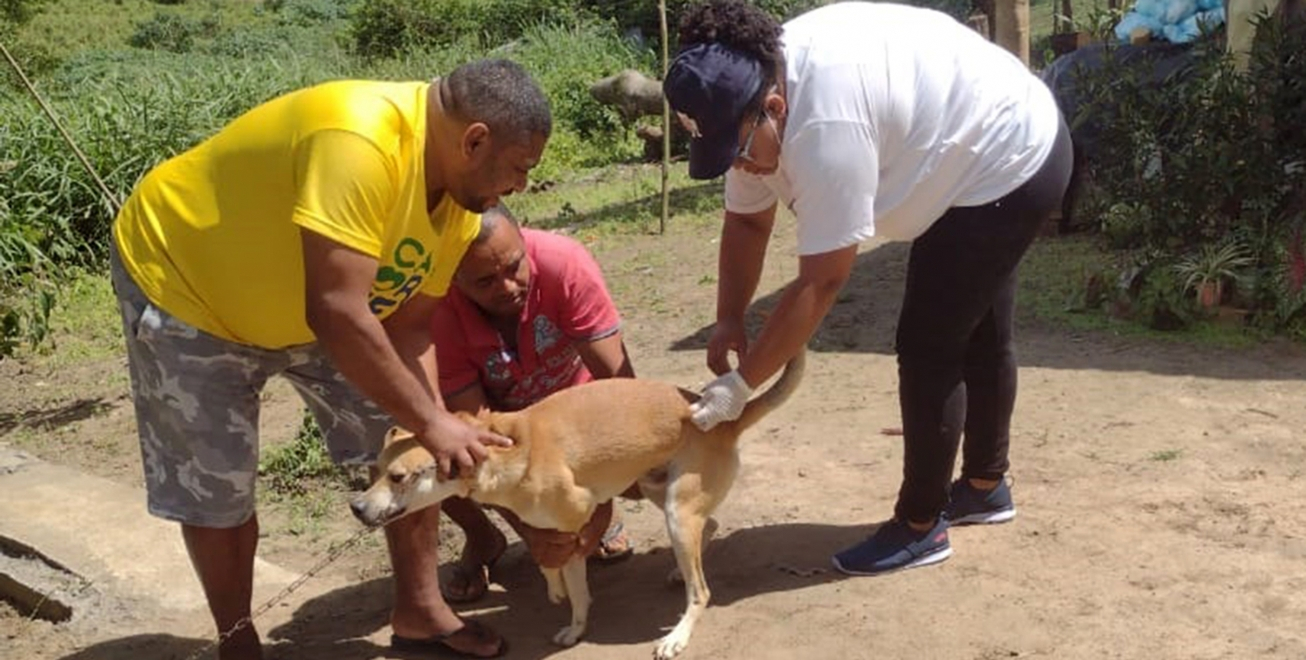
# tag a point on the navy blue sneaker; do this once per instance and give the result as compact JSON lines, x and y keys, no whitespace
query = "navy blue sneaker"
{"x":895,"y":546}
{"x":969,"y":505}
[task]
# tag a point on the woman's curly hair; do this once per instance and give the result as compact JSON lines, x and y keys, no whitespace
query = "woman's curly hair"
{"x":739,"y":25}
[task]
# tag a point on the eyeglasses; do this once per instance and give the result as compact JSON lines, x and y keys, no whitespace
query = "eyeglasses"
{"x":745,"y":152}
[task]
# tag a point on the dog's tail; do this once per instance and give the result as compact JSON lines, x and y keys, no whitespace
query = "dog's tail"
{"x":777,"y":394}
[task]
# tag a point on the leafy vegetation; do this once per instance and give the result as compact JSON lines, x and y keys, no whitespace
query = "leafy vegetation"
{"x":1200,"y":179}
{"x":290,"y":469}
{"x":153,"y":80}
{"x":139,"y":80}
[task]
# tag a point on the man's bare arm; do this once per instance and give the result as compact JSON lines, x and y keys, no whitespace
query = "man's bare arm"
{"x":338,"y":281}
{"x":606,"y":357}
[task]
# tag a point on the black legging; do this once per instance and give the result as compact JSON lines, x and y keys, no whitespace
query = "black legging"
{"x":956,"y":368}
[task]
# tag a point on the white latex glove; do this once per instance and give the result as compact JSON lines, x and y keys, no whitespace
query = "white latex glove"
{"x":723,"y":401}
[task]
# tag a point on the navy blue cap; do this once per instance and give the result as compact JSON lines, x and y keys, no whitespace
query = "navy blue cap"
{"x":709,"y":85}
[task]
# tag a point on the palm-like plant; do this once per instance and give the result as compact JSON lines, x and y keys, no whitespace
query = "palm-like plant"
{"x":1205,"y":271}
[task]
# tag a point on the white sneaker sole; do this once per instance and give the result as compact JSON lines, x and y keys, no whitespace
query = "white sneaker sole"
{"x":932,"y":558}
{"x":988,"y":518}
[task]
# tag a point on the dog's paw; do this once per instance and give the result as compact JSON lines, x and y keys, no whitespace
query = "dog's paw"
{"x":569,"y":636}
{"x":670,"y":646}
{"x":674,"y":577}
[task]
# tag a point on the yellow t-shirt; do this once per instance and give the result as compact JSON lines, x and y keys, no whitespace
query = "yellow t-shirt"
{"x":212,"y":236}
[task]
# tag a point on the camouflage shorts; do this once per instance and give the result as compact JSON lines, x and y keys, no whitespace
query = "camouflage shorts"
{"x":197,"y":409}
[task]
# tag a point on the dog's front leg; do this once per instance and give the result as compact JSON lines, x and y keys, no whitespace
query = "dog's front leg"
{"x":576,"y":586}
{"x":557,"y":587}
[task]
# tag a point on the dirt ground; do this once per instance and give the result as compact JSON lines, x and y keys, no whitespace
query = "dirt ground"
{"x":1158,"y":488}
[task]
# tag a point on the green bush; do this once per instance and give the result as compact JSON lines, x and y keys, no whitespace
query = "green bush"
{"x":171,"y":32}
{"x":249,"y":43}
{"x":387,"y":28}
{"x":18,"y":11}
{"x":289,"y":469}
{"x":1207,"y":157}
{"x":1124,"y":225}
{"x":308,"y":13}
{"x":566,"y":61}
{"x":27,"y":292}
{"x":125,"y":125}
{"x":127,"y":110}
{"x":34,"y":56}
{"x":644,"y":18}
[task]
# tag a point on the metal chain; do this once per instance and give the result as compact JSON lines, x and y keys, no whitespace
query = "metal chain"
{"x":333,"y":553}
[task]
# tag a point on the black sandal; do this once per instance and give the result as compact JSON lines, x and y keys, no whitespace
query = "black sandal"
{"x":439,"y":644}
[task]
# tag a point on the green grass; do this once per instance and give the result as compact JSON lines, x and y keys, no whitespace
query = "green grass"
{"x":299,"y":479}
{"x":619,"y":199}
{"x":1165,"y":455}
{"x":291,"y":468}
{"x":1053,"y":281}
{"x":87,"y":323}
{"x":130,"y":108}
{"x":61,"y":29}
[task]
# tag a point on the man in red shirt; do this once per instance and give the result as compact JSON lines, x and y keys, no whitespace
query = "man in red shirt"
{"x":528,"y":315}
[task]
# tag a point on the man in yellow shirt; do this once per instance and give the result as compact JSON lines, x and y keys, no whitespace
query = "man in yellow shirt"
{"x":312,"y":238}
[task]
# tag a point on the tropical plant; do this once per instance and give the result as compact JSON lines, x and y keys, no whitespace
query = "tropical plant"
{"x":1206,"y":271}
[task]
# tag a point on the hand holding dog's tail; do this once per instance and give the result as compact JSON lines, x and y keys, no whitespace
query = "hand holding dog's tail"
{"x":723,"y":401}
{"x":726,"y":399}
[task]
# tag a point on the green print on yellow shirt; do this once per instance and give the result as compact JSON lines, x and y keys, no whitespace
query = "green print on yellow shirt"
{"x":394,"y":284}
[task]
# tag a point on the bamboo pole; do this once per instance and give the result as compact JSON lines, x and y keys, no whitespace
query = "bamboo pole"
{"x":111,"y":199}
{"x":666,"y":126}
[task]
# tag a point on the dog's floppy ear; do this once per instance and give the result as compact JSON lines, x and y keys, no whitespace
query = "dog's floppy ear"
{"x":396,"y":434}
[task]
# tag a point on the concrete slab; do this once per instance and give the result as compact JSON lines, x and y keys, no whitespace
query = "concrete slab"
{"x":100,"y":532}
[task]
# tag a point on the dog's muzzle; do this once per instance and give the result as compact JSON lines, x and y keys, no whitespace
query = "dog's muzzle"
{"x":373,"y":516}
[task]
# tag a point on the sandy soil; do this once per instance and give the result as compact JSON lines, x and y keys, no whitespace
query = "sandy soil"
{"x":1158,"y":488}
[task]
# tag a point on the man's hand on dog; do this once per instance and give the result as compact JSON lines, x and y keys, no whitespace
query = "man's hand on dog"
{"x":551,"y":548}
{"x":452,"y":440}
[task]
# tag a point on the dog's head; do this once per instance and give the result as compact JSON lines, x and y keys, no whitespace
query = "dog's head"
{"x":408,"y":479}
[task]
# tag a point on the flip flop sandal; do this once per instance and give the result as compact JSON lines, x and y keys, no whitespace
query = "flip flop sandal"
{"x":615,"y":536}
{"x":439,"y":646}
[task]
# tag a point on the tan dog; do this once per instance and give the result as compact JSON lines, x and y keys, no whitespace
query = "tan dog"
{"x":578,"y":449}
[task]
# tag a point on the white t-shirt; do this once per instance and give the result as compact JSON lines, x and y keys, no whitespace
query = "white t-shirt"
{"x":895,"y":114}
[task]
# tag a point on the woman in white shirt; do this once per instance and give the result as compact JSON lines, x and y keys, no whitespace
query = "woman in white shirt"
{"x":878,"y":119}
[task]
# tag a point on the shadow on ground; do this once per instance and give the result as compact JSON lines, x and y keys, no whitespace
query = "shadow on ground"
{"x":161,"y":646}
{"x":633,"y":604}
{"x":55,"y":417}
